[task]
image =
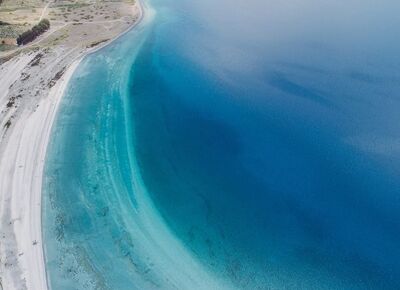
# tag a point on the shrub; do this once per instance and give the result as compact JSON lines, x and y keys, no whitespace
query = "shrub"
{"x":34,"y":32}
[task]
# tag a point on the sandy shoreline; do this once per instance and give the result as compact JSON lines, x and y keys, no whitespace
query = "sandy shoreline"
{"x":25,"y":132}
{"x":21,"y":173}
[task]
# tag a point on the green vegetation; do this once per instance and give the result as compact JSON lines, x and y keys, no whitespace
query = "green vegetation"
{"x":33,"y":33}
{"x":73,"y":5}
{"x":5,"y":47}
{"x":10,"y":31}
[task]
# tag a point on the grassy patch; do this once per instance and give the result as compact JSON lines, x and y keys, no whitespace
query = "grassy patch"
{"x":5,"y":47}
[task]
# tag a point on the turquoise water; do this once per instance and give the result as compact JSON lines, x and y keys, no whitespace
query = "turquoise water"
{"x":231,"y":146}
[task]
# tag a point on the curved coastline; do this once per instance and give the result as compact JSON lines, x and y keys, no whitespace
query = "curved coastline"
{"x":173,"y":265}
{"x":161,"y":161}
{"x":58,"y":93}
{"x":22,"y":168}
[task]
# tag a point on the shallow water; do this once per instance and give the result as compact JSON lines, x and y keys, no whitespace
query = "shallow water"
{"x":222,"y":145}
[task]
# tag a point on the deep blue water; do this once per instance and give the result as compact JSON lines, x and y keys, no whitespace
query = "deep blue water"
{"x":232,"y":145}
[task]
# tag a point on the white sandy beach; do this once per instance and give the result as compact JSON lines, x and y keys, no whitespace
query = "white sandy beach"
{"x":25,"y":126}
{"x":21,"y":170}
